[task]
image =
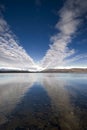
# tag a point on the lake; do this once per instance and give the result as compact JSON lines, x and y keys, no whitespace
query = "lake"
{"x":43,"y":101}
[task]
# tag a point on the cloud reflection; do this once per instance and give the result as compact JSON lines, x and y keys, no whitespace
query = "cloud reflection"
{"x":67,"y":94}
{"x":56,"y":88}
{"x":12,"y":89}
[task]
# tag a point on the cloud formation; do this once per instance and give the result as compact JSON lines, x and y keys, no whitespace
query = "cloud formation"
{"x":12,"y":55}
{"x":59,"y":53}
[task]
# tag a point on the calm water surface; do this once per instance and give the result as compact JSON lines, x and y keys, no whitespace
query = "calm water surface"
{"x":43,"y":101}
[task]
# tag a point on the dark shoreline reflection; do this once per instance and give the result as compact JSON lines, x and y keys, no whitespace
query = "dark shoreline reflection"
{"x":43,"y":101}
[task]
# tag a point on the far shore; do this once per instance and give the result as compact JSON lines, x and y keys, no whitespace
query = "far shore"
{"x":72,"y":70}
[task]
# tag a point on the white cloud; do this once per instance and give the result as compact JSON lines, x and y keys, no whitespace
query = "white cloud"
{"x":11,"y":54}
{"x":77,"y":59}
{"x":59,"y":53}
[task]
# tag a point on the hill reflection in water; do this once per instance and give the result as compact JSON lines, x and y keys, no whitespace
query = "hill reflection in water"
{"x":43,"y":101}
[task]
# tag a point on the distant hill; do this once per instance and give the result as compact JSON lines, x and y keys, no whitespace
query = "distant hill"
{"x":71,"y":70}
{"x":14,"y":71}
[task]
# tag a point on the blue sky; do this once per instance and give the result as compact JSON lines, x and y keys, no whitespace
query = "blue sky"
{"x":53,"y":32}
{"x":33,"y":23}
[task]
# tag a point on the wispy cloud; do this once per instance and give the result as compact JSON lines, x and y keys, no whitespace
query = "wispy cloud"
{"x":11,"y":53}
{"x":59,"y":53}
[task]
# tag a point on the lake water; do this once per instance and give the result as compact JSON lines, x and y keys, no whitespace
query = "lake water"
{"x":45,"y":101}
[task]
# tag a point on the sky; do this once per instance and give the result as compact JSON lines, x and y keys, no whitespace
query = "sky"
{"x":43,"y":33}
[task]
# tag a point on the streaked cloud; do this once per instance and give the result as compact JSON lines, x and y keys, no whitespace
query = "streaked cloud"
{"x":59,"y":53}
{"x":11,"y":53}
